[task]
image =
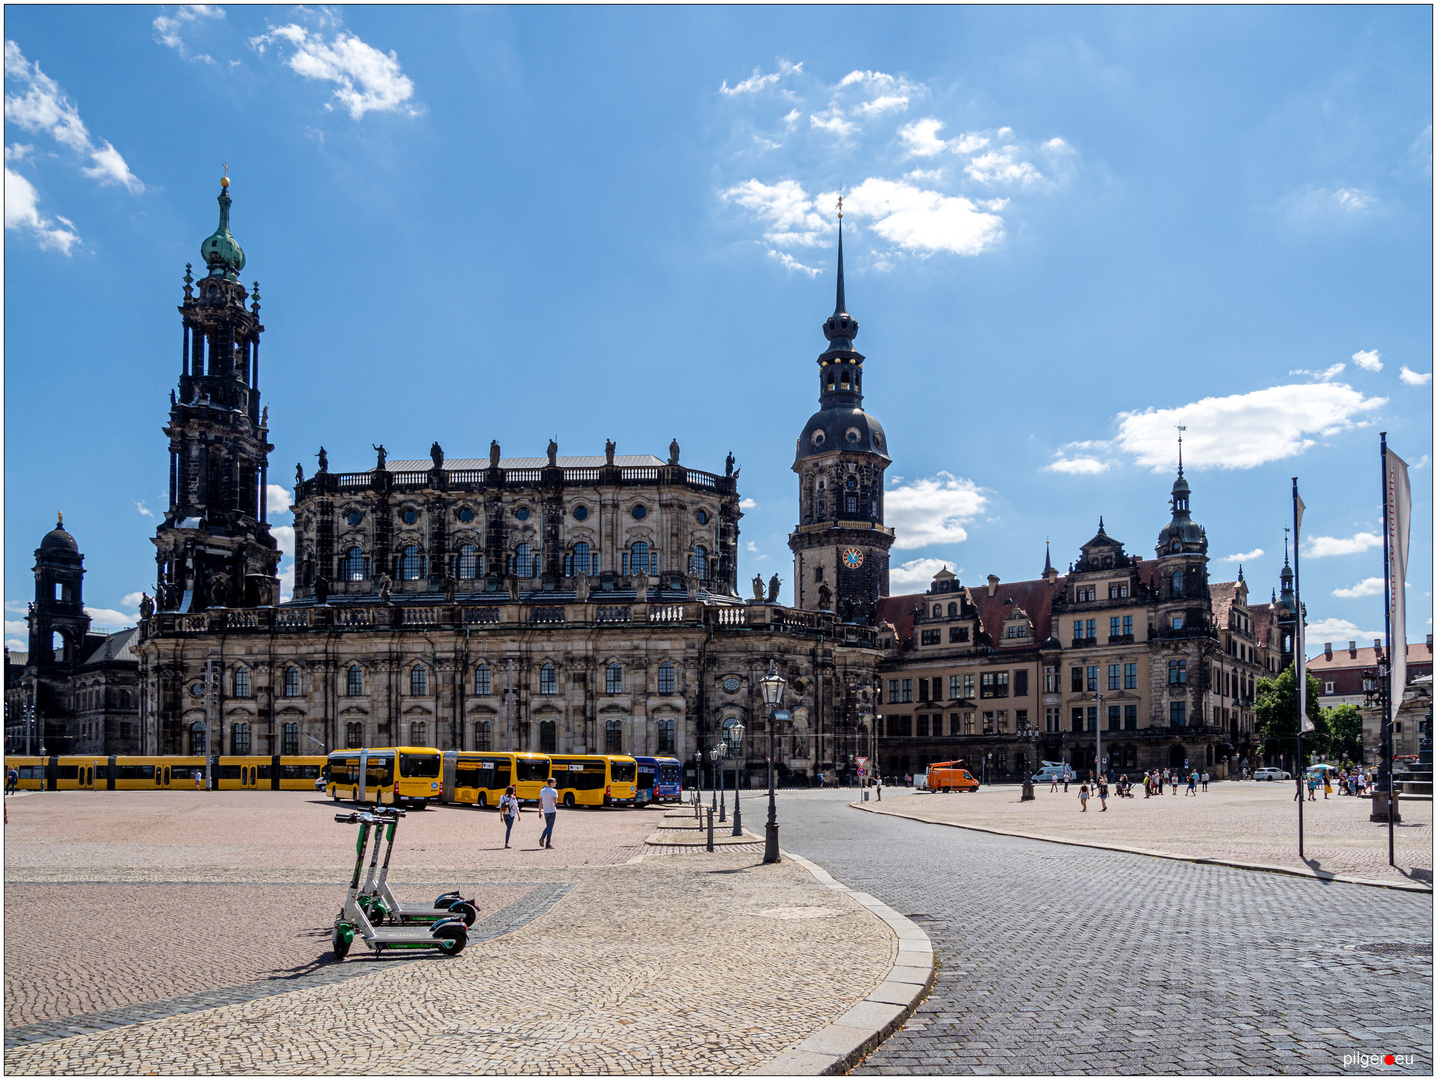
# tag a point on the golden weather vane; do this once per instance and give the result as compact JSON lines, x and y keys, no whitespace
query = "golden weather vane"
{"x":840,"y":208}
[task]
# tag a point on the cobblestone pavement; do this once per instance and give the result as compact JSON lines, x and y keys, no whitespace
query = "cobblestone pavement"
{"x":1060,"y":959}
{"x":703,"y":964}
{"x":1247,"y":822}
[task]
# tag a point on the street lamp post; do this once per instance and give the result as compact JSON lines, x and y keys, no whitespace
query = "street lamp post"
{"x":772,"y":686}
{"x":737,"y":730}
{"x":717,"y":753}
{"x":698,"y":778}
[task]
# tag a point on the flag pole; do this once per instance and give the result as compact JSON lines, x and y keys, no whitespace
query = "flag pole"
{"x":1387,"y":667}
{"x":1299,"y":663}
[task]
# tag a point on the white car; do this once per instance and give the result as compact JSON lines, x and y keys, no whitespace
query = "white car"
{"x":1271,"y":774}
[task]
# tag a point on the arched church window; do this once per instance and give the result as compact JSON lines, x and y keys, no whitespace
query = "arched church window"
{"x":640,"y":560}
{"x":580,"y":561}
{"x":953,"y":611}
{"x":354,"y":735}
{"x":354,"y":566}
{"x":467,"y":564}
{"x":411,"y":563}
{"x":700,"y":561}
{"x":481,"y":735}
{"x":198,"y":742}
{"x":1177,"y":582}
{"x":526,"y":561}
{"x":548,"y":679}
{"x":852,"y":483}
{"x":613,"y":736}
{"x":548,"y":737}
{"x":418,"y":736}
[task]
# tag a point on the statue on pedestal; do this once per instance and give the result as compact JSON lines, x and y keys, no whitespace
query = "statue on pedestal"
{"x":581,"y":588}
{"x":774,"y":584}
{"x":641,"y":586}
{"x":493,"y":453}
{"x":728,"y":464}
{"x":323,"y":460}
{"x":383,"y":456}
{"x":553,"y":454}
{"x":609,"y":449}
{"x":758,"y":586}
{"x":674,"y":452}
{"x":384,"y":585}
{"x":436,"y":455}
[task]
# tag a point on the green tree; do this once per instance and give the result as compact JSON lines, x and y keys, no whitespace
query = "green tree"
{"x":1345,"y":722}
{"x":1276,"y":711}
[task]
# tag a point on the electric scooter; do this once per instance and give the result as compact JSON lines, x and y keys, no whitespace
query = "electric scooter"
{"x":448,"y":936}
{"x":380,"y":903}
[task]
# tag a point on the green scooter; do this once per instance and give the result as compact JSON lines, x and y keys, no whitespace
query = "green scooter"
{"x":380,"y":904}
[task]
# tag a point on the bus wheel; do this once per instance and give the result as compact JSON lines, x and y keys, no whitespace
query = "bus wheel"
{"x":454,"y":939}
{"x":465,"y":911}
{"x":483,"y":803}
{"x":569,"y":799}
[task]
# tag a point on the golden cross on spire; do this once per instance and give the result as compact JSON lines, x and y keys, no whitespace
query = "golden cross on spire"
{"x":225,"y":165}
{"x":840,"y":208}
{"x":225,"y":179}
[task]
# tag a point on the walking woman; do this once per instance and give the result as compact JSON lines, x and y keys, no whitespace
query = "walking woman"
{"x":509,"y":811}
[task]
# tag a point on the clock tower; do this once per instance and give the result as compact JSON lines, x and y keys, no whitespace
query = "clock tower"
{"x":840,"y":546}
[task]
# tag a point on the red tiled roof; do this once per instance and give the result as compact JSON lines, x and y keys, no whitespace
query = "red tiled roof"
{"x":1034,"y":597}
{"x":1261,"y":622}
{"x":1419,"y":655}
{"x":898,"y":610}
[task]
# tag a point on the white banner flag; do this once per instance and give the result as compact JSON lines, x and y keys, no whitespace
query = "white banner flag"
{"x":1399,"y":515}
{"x":1304,"y":724}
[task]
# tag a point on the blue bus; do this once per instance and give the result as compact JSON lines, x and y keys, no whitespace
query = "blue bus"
{"x":660,"y":779}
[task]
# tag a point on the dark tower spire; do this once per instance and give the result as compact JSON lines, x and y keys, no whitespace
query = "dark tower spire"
{"x":841,"y":305}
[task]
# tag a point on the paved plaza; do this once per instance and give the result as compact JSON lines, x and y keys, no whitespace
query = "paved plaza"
{"x":188,"y":932}
{"x":1062,"y":959}
{"x":1246,"y":822}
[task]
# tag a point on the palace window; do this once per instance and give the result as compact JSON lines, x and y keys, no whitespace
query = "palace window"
{"x":548,"y":680}
{"x":1077,"y":719}
{"x":1177,"y":582}
{"x":291,"y":740}
{"x":923,"y":725}
{"x":549,"y":737}
{"x":481,"y":735}
{"x":1050,"y":680}
{"x":931,"y":637}
{"x":1113,"y":625}
{"x":613,"y":679}
{"x":1019,"y":630}
{"x":1130,"y":676}
{"x":354,"y":681}
{"x":923,"y":689}
{"x":198,"y":740}
{"x":1115,"y":719}
{"x":1130,"y":717}
{"x":1092,"y":629}
{"x":239,"y":740}
{"x":957,"y":634}
{"x":291,"y":682}
{"x":1092,"y":678}
{"x":1076,"y":682}
{"x":1117,"y":592}
{"x":1177,"y":622}
{"x":354,"y":566}
{"x":418,"y":680}
{"x":666,"y":678}
{"x":907,"y":689}
{"x":241,"y":683}
{"x":417,"y":734}
{"x":481,"y":680}
{"x":353,"y":735}
{"x":987,"y":723}
{"x":467,"y":565}
{"x":1092,"y":718}
{"x":613,"y":736}
{"x":892,"y":691}
{"x":953,"y":610}
{"x":411,"y":563}
{"x":1052,"y":722}
{"x":955,"y":687}
{"x":1128,"y":625}
{"x":1177,"y":713}
{"x":1177,"y":672}
{"x":1020,"y":683}
{"x":665,"y":731}
{"x":1114,"y":677}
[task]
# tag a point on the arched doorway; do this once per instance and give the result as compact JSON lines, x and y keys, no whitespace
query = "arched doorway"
{"x":1177,"y":755}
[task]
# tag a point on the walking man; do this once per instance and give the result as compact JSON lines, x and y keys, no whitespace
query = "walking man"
{"x":12,"y":780}
{"x":549,"y":805}
{"x":1066,"y":777}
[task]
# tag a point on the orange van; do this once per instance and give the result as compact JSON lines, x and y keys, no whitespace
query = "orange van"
{"x":951,"y":776}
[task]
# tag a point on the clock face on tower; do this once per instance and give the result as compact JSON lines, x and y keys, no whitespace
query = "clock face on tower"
{"x":852,"y":558}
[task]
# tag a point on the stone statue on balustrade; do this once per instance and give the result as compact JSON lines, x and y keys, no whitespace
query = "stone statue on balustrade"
{"x":641,"y":586}
{"x":581,"y":588}
{"x":609,"y":449}
{"x":758,"y":586}
{"x":674,"y":452}
{"x":323,"y":460}
{"x":436,"y":455}
{"x":383,"y":457}
{"x":493,"y":453}
{"x":553,"y":454}
{"x":774,"y":584}
{"x":384,"y":586}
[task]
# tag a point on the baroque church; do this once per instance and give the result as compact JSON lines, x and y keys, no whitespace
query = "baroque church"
{"x":592,"y":603}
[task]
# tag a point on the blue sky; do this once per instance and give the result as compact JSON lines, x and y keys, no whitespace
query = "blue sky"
{"x":1066,"y":231}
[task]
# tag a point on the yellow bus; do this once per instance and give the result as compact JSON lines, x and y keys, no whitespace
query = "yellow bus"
{"x":152,"y":773}
{"x":480,"y":778}
{"x":369,"y":775}
{"x":595,"y":779}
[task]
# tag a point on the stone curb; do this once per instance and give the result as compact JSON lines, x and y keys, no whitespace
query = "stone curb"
{"x":833,"y":1050}
{"x":1266,"y":868}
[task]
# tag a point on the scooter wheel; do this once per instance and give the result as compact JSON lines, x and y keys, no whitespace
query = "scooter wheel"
{"x":466,"y":911}
{"x":453,"y":939}
{"x":343,"y":938}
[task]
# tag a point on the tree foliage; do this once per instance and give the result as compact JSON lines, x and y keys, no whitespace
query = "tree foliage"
{"x":1276,"y":711}
{"x":1345,"y":722}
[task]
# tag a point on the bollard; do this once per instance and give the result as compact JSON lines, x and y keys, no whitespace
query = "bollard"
{"x":711,"y":829}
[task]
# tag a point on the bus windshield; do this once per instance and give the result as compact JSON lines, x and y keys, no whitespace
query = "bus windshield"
{"x":533,"y":769}
{"x":623,"y":771}
{"x":419,"y":765}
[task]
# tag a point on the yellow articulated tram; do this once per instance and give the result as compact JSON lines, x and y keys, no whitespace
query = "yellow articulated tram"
{"x":385,"y":774}
{"x":79,"y":772}
{"x":480,"y":778}
{"x":595,"y":779}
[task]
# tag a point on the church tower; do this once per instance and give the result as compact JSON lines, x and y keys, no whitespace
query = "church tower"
{"x":214,"y":547}
{"x":58,"y":623}
{"x":1184,"y":601}
{"x":840,"y":547}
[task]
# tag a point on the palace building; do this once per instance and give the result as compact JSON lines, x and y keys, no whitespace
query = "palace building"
{"x":593,"y":604}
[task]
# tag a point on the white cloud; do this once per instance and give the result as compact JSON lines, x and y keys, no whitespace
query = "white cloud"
{"x":833,"y":123}
{"x":884,"y":103}
{"x":1244,"y":431}
{"x":1056,"y":145}
{"x":924,"y":221}
{"x":277,"y":499}
{"x":1004,"y":132}
{"x":1368,"y":359}
{"x":368,"y":80}
{"x":914,"y":576}
{"x":1078,"y":466}
{"x":919,"y":176}
{"x":168,"y":28}
{"x":284,"y":537}
{"x":1326,"y":375}
{"x":132,"y":600}
{"x":44,"y":107}
{"x":746,"y":504}
{"x":932,"y":510}
{"x":1352,"y":199}
{"x":1313,"y":203}
{"x":998,"y":166}
{"x":144,"y":510}
{"x":1324,"y":630}
{"x":1366,"y":587}
{"x":757,"y":82}
{"x":791,"y":216}
{"x":1243,"y":556}
{"x":752,"y":548}
{"x":791,"y":117}
{"x":1319,"y":547}
{"x":921,"y":139}
{"x":109,"y":618}
{"x":1414,"y":378}
{"x":18,"y":628}
{"x":790,"y":263}
{"x":966,"y":144}
{"x":872,"y":78}
{"x":22,"y":213}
